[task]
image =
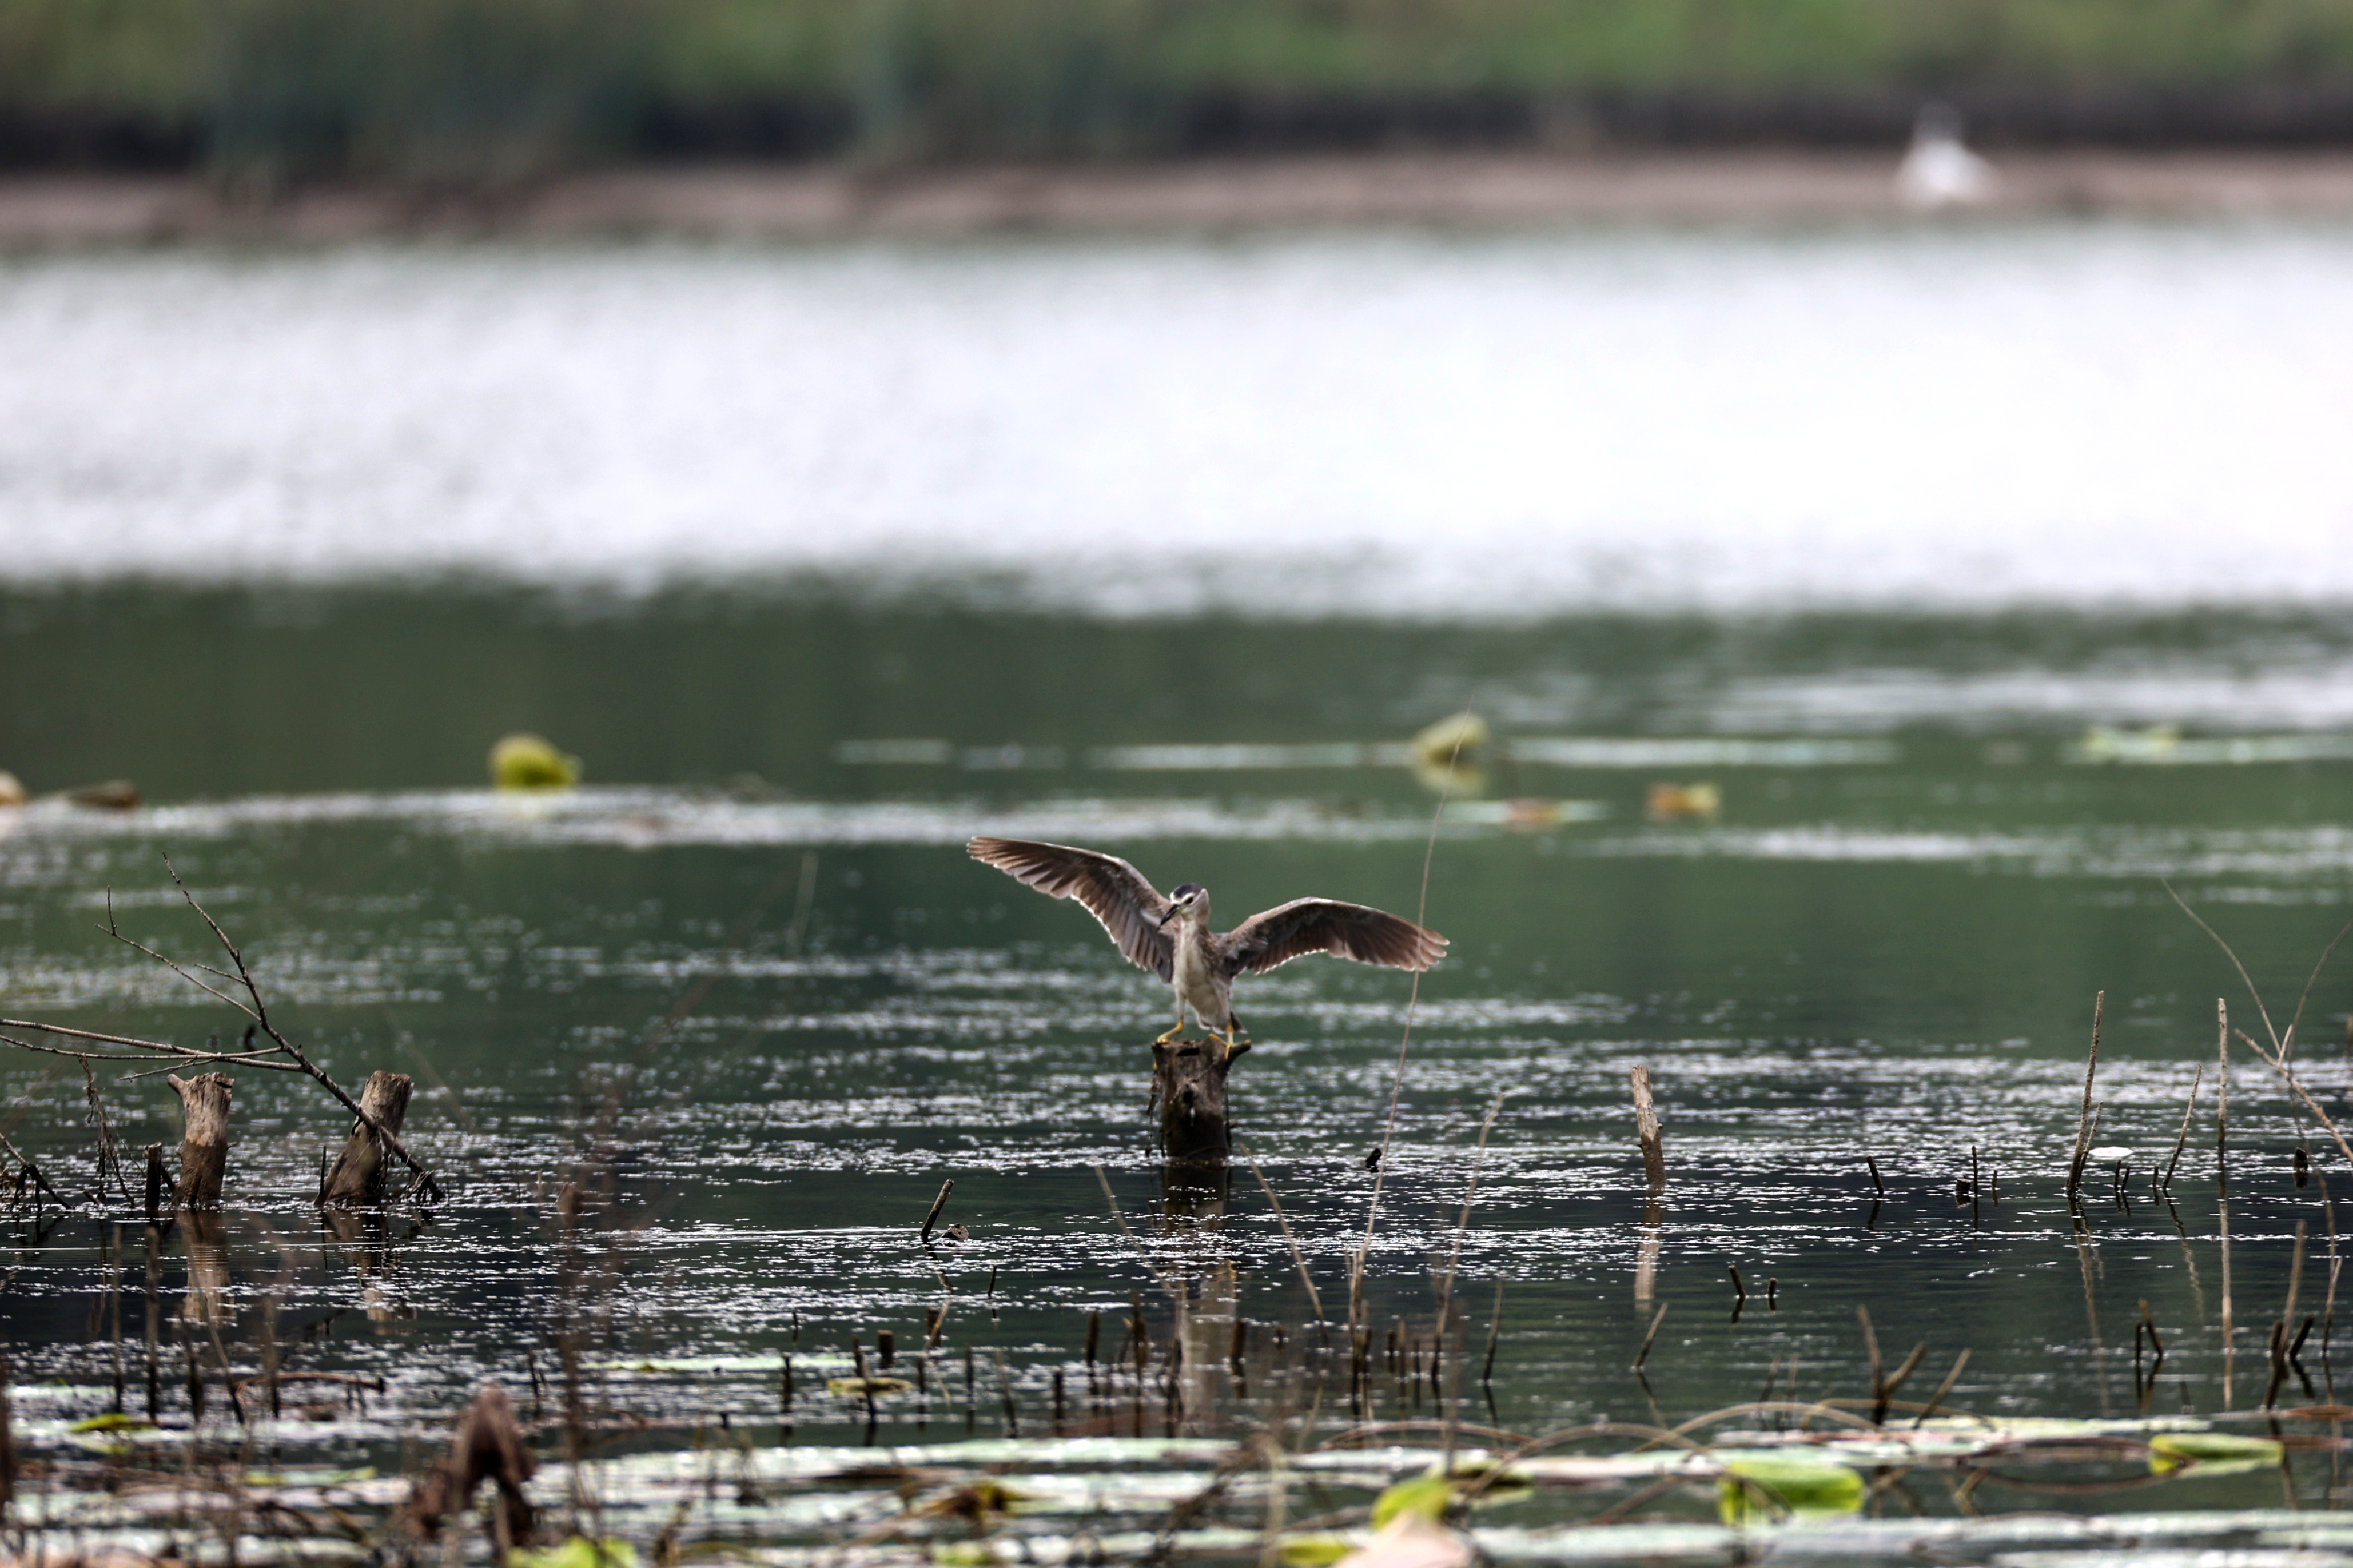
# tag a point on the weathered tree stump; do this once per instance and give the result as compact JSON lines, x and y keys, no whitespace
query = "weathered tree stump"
{"x":361,"y":1173}
{"x":203,"y":1148}
{"x":486,"y":1447}
{"x":1188,"y":1083}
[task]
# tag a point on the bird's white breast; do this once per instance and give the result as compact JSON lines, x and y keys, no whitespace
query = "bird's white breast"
{"x":1191,"y":975}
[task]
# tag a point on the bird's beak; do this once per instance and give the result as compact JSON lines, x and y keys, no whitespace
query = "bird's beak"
{"x":1172,"y":913}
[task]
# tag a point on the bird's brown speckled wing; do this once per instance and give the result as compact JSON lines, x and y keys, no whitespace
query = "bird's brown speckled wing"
{"x":1113,"y":891}
{"x":1324,"y":925}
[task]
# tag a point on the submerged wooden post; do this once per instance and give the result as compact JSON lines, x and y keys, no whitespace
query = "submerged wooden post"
{"x":361,"y":1172}
{"x":486,"y":1446}
{"x":1654,"y":1182}
{"x":1189,"y":1080}
{"x":203,"y":1148}
{"x":1646,"y":1132}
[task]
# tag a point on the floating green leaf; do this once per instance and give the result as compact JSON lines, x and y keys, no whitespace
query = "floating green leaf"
{"x":2212,"y":1453}
{"x":578,"y":1553}
{"x":1429,"y":1495}
{"x":1762,"y":1489}
{"x":112,"y":1421}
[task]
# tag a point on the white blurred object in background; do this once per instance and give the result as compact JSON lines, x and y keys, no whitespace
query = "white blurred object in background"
{"x":1939,"y":172}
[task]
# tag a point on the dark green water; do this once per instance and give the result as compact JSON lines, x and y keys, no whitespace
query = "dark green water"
{"x":1887,"y":950}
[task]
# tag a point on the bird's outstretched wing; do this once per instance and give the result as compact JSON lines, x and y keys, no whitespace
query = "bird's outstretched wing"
{"x":1113,"y":891}
{"x":1324,"y":925}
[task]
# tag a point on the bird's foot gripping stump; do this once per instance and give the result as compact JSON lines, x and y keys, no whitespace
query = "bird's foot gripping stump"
{"x":1189,"y":1084}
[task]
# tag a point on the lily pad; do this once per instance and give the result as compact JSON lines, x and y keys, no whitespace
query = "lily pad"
{"x":578,"y":1553}
{"x":1767,"y":1489}
{"x":1429,"y":1495}
{"x":2211,"y":1453}
{"x":112,"y":1421}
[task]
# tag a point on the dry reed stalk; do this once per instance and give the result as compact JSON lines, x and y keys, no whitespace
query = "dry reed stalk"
{"x":2294,"y":1276}
{"x":938,"y":1204}
{"x":1652,"y":1333}
{"x":1298,"y":1260}
{"x":1405,"y":1039}
{"x":2181,"y":1139}
{"x":2084,"y":1121}
{"x":1888,"y":1390}
{"x":1943,"y":1388}
{"x":1871,"y":1349}
{"x":1462,"y":1222}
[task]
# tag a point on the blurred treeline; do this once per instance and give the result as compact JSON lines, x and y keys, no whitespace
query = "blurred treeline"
{"x":479,"y":90}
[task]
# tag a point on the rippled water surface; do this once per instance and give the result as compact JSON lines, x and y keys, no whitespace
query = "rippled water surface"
{"x":768,"y":1001}
{"x":697,"y":1045}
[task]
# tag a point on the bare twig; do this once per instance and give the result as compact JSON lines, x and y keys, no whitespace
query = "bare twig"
{"x":1288,"y":1240}
{"x":282,"y":1055}
{"x":1463,"y":1226}
{"x":1412,"y":999}
{"x":2084,"y":1124}
{"x":2252,"y":994}
{"x":2287,"y":1041}
{"x":2181,"y":1139}
{"x":939,"y":1203}
{"x":428,"y":1188}
{"x":157,"y":1047}
{"x":2296,"y":1089}
{"x":17,"y":1155}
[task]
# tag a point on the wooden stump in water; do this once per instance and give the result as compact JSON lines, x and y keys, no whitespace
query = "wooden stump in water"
{"x":204,"y":1149}
{"x":487,"y":1446}
{"x":1188,"y":1082}
{"x":359,"y":1175}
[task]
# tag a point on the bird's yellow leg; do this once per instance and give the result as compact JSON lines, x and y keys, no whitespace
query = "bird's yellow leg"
{"x":1174,"y":1029}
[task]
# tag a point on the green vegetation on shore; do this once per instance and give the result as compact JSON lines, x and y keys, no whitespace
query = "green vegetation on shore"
{"x":477,"y":89}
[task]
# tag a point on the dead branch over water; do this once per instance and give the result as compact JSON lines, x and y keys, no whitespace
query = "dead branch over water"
{"x":244,"y":993}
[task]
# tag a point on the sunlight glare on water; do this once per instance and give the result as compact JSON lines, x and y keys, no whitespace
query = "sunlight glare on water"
{"x":2075,"y":413}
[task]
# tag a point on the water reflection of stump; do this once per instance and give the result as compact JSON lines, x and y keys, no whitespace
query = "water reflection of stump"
{"x":368,"y":1250}
{"x":205,"y":1235}
{"x":1188,"y":1082}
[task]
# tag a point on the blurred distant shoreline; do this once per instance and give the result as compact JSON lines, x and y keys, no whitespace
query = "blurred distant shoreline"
{"x":1470,"y":190}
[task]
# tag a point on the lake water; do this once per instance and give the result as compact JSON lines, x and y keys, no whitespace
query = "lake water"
{"x":1993,"y":580}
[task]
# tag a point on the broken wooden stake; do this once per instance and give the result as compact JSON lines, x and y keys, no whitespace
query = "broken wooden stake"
{"x":361,"y":1172}
{"x":204,"y":1147}
{"x":486,"y":1447}
{"x":1646,"y":1131}
{"x":158,"y":1183}
{"x":1189,"y":1080}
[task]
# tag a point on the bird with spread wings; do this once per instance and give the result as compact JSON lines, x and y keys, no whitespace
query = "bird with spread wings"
{"x":1201,"y":965}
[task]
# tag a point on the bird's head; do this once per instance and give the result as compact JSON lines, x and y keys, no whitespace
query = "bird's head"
{"x":1187,"y":899}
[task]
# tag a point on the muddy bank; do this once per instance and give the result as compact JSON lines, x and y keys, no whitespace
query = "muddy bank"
{"x":1472,"y":190}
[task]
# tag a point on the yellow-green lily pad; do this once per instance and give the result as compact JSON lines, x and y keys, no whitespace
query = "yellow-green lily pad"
{"x":578,"y":1553}
{"x":2211,"y":1453}
{"x":1759,"y":1489}
{"x":112,"y":1421}
{"x":1429,"y":1495}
